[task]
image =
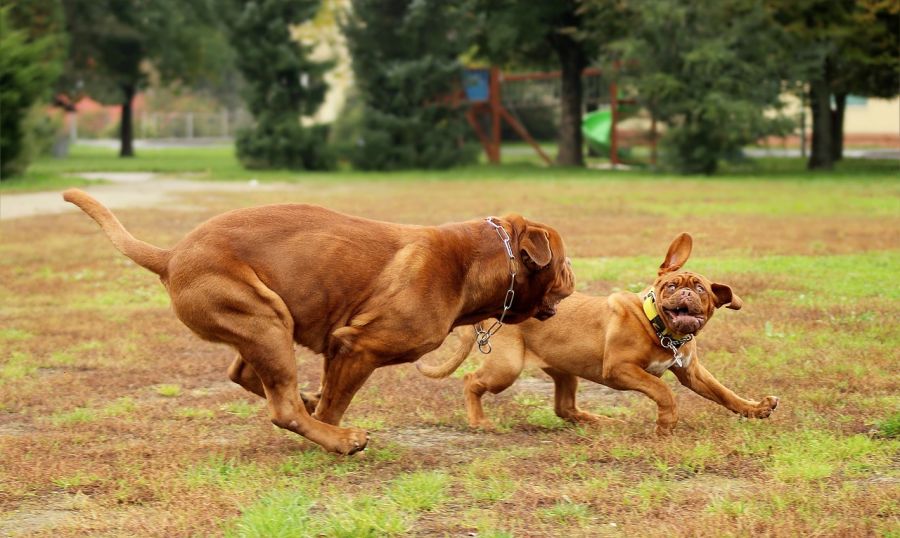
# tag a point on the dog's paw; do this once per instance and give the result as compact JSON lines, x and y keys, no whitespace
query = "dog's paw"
{"x":583,"y":417}
{"x":350,"y":441}
{"x":482,"y":424}
{"x":664,"y":430}
{"x":764,"y":408}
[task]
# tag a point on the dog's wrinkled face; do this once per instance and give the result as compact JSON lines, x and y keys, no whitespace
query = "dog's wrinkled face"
{"x":545,"y":274}
{"x":686,"y":301}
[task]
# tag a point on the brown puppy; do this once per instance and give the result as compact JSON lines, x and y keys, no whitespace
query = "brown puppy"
{"x":611,"y":340}
{"x":363,"y":293}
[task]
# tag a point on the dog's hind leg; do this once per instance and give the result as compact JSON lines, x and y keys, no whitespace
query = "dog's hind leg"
{"x":566,"y":386}
{"x":244,"y":375}
{"x":271,"y":355}
{"x":344,"y":375}
{"x":245,"y":314}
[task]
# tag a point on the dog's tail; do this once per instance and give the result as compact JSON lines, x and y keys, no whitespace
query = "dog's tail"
{"x":466,"y":337}
{"x":144,"y":254}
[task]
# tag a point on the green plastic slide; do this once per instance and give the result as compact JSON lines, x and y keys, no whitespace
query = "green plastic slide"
{"x":596,"y":127}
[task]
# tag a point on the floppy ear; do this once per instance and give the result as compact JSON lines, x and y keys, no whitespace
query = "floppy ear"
{"x":724,"y":296}
{"x":535,"y":248}
{"x":679,"y":252}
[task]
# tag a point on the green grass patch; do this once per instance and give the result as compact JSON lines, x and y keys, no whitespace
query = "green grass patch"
{"x":75,"y":481}
{"x":648,"y":493}
{"x":224,"y":473}
{"x":241,"y":409}
{"x":850,"y":276}
{"x":79,"y":415}
{"x":890,"y":427}
{"x":119,"y":408}
{"x":195,"y":413}
{"x":545,"y":418}
{"x":489,"y":480}
{"x":566,"y":513}
{"x":168,"y":390}
{"x":306,"y":512}
{"x":423,"y":490}
{"x":280,"y":514}
{"x":814,"y":455}
{"x":11,"y":334}
{"x":17,"y":366}
{"x":220,"y":162}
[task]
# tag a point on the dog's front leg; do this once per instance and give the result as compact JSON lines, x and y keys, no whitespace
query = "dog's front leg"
{"x":697,"y":378}
{"x":629,"y":376}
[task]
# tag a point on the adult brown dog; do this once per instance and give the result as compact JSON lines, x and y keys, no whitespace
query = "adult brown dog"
{"x":611,"y":340}
{"x":363,"y":293}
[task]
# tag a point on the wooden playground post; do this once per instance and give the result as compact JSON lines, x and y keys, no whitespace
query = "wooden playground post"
{"x":495,"y":106}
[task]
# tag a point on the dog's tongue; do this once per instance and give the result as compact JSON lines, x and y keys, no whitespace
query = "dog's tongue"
{"x":683,"y":323}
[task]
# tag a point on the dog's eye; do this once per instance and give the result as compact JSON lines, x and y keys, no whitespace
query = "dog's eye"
{"x":671,"y":288}
{"x":700,"y":288}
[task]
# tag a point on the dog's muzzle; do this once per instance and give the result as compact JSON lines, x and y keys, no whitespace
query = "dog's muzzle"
{"x":546,"y":313}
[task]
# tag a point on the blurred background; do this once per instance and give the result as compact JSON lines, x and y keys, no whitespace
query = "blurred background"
{"x":412,"y":84}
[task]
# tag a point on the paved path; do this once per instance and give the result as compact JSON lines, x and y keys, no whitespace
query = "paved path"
{"x":124,"y":190}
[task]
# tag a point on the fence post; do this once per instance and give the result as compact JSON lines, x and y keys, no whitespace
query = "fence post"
{"x":190,"y":125}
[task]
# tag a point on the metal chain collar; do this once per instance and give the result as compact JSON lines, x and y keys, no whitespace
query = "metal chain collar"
{"x":483,"y":336}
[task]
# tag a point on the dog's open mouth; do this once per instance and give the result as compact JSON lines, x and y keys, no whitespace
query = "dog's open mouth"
{"x":683,"y":321}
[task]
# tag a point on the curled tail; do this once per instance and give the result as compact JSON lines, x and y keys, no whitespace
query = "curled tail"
{"x":466,"y":336}
{"x":144,"y":254}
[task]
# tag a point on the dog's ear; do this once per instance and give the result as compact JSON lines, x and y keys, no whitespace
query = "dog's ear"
{"x":679,"y":252}
{"x":535,"y":248}
{"x":724,"y":296}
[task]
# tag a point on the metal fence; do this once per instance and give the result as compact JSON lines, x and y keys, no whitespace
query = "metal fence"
{"x":160,"y":125}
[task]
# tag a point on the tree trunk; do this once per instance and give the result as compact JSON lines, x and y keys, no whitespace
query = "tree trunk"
{"x":837,"y":127}
{"x":820,"y":106}
{"x":126,"y":126}
{"x":572,"y":61}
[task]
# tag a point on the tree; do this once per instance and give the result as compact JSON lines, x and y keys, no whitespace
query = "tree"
{"x":867,"y":62}
{"x":282,"y":84}
{"x":543,"y":34}
{"x":113,"y":40}
{"x":842,"y":47}
{"x":405,"y":57}
{"x":29,"y":66}
{"x":708,"y":70}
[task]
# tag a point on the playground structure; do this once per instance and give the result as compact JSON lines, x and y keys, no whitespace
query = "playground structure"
{"x":491,"y":94}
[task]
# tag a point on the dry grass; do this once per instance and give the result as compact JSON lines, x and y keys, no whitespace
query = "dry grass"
{"x":116,"y":421}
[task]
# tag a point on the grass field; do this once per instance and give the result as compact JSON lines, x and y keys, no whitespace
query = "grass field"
{"x":116,"y":421}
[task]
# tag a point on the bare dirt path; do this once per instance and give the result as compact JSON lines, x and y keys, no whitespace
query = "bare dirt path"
{"x":125,"y":189}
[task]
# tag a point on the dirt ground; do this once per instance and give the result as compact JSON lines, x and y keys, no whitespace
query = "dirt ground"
{"x":116,"y":421}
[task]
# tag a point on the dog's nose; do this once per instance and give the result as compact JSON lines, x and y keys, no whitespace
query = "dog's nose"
{"x":685,"y":293}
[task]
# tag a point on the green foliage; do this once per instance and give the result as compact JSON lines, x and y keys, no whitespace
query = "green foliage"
{"x":283,"y":83}
{"x":28,"y":68}
{"x":708,"y":70}
{"x":113,"y":42}
{"x":403,"y":81}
